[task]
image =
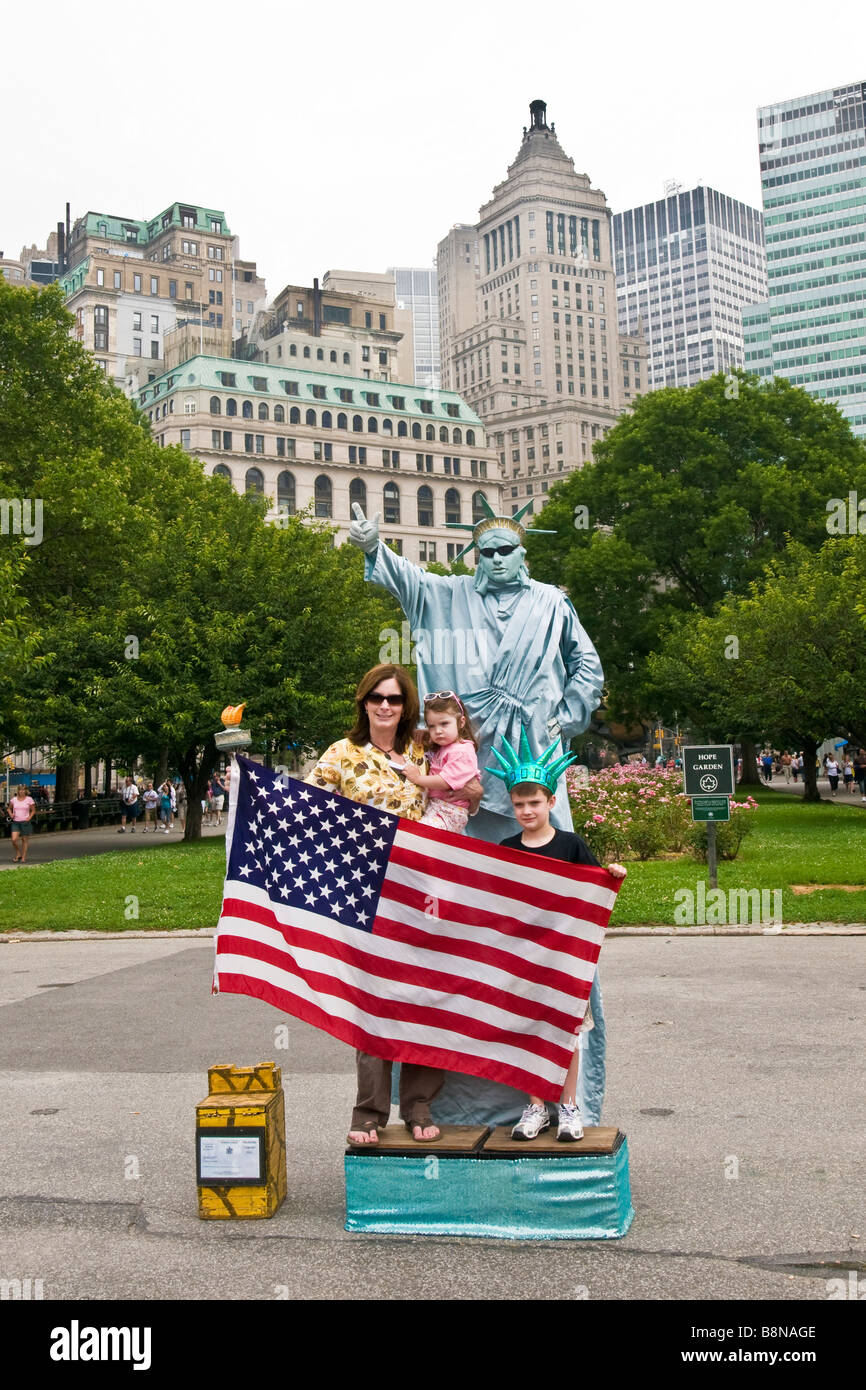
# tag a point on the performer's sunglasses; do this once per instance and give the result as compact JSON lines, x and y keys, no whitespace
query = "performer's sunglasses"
{"x":489,"y":551}
{"x":376,"y":699}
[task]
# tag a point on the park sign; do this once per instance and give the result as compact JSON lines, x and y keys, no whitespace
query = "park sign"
{"x":711,"y":808}
{"x":708,"y":770}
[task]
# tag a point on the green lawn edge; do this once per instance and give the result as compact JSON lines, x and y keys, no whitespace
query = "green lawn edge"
{"x":178,"y":887}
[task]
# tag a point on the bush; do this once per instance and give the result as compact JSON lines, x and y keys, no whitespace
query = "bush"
{"x":630,"y":812}
{"x":730,"y":834}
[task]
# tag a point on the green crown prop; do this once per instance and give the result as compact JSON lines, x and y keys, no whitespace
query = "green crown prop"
{"x":525,"y":768}
{"x":491,"y":522}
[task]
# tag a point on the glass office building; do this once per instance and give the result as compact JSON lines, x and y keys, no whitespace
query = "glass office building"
{"x":812,"y":327}
{"x":417,"y":291}
{"x":685,"y":266}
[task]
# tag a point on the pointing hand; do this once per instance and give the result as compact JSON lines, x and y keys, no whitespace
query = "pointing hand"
{"x":362,"y":532}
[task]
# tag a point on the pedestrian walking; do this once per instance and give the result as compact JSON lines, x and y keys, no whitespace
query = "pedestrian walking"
{"x":767,"y":765}
{"x":860,"y":772}
{"x":831,"y":767}
{"x":165,"y":806}
{"x":786,"y":761}
{"x":21,"y":810}
{"x":848,"y":774}
{"x":180,"y":800}
{"x":130,"y":809}
{"x":217,"y":796}
{"x":150,"y":802}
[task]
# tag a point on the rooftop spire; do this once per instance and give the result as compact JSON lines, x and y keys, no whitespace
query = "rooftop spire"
{"x":538,"y":115}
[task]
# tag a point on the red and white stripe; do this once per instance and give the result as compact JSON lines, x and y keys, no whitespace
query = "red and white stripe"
{"x":481,"y":959}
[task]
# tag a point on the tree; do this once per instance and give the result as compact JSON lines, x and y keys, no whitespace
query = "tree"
{"x":786,"y":662}
{"x":159,"y":595}
{"x":695,"y":491}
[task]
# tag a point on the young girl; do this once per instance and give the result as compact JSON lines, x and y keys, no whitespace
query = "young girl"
{"x":453,"y":762}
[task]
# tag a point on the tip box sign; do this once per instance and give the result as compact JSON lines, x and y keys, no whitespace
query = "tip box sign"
{"x":709,"y":770}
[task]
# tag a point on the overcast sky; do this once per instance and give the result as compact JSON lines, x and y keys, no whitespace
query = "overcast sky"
{"x":339,"y":135}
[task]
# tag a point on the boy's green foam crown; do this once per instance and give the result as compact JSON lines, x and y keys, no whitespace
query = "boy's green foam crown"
{"x":525,"y":768}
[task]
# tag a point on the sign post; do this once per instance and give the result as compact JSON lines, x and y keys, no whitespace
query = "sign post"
{"x":708,"y":778}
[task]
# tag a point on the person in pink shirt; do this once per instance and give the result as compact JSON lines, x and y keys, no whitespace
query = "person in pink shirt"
{"x":22,"y":809}
{"x":453,"y":762}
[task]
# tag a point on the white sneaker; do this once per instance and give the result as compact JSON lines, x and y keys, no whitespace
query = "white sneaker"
{"x":570,"y":1124}
{"x":531,"y":1123}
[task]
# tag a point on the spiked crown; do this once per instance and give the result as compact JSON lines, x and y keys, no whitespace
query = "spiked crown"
{"x":524,"y":768}
{"x":492,"y":522}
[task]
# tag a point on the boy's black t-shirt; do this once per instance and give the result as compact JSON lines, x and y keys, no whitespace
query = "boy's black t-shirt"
{"x":565,"y":845}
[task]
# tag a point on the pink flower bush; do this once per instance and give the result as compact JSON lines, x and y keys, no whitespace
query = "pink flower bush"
{"x":639,"y":812}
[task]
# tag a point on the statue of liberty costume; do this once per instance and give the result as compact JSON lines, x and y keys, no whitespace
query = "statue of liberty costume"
{"x":516,"y":654}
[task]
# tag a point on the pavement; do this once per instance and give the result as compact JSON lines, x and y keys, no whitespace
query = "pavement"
{"x":734,"y":1067}
{"x":74,"y":844}
{"x":798,"y":788}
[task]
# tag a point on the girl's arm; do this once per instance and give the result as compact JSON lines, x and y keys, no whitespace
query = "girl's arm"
{"x":413,"y":773}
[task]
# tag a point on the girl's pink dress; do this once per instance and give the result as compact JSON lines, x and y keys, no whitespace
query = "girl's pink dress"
{"x":457,"y":764}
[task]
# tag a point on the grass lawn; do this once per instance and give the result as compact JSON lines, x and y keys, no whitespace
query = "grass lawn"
{"x":180,"y":885}
{"x":792,"y":842}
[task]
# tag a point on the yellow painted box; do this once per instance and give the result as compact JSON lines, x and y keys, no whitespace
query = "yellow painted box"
{"x":241,"y":1143}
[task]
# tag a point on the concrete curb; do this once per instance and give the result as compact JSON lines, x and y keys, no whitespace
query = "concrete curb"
{"x":795,"y":929}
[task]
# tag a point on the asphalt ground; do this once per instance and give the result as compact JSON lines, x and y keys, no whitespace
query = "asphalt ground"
{"x":735,"y":1067}
{"x":101,"y":839}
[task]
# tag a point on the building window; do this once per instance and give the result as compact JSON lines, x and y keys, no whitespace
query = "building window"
{"x":247,"y":410}
{"x":391,"y":504}
{"x":260,"y":443}
{"x":184,"y":439}
{"x":254,"y":481}
{"x":154,"y":348}
{"x":286,"y":493}
{"x":263,"y":412}
{"x":323,"y":493}
{"x":214,"y":439}
{"x":452,"y":505}
{"x":425,"y":505}
{"x":358,"y":493}
{"x":248,"y":443}
{"x":227,"y":439}
{"x":220,"y":471}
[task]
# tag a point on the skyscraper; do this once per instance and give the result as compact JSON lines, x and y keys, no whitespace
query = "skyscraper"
{"x":417,"y":291}
{"x":685,"y":266}
{"x":812,"y":328}
{"x":527,"y":316}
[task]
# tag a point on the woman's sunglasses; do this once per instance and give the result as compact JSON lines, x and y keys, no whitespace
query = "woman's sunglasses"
{"x":376,"y":699}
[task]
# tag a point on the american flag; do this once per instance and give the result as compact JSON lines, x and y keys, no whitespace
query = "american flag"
{"x":408,"y":942}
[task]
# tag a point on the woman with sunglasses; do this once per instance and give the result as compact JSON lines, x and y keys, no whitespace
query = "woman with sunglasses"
{"x":363,"y":767}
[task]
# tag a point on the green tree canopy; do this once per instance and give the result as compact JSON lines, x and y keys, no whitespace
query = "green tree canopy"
{"x":785,"y":663}
{"x":689,"y":497}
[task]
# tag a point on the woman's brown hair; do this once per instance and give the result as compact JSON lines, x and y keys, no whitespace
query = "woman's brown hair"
{"x":360,"y":733}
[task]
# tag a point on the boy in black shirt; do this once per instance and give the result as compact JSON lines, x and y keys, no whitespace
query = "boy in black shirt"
{"x":532,"y":802}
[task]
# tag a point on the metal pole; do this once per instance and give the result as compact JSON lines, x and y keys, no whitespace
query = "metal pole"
{"x":711,"y":854}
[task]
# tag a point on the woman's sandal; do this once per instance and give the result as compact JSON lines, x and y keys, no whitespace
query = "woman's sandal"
{"x":366,"y":1128}
{"x":427,"y":1123}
